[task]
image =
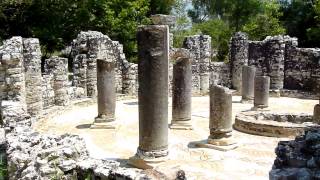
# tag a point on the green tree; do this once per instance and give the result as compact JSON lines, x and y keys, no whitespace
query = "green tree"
{"x":57,"y":22}
{"x":236,"y":13}
{"x":299,"y":21}
{"x":161,"y":6}
{"x":220,"y":36}
{"x":265,"y":23}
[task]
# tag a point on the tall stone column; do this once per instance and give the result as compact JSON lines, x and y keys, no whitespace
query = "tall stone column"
{"x":261,"y":92}
{"x":248,"y":74}
{"x":238,"y":57}
{"x":106,"y":95}
{"x":153,"y":52}
{"x":181,"y":90}
{"x":204,"y":83}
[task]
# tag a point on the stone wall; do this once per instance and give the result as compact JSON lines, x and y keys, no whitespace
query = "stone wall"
{"x":288,"y":66}
{"x":268,"y":57}
{"x":12,"y":81}
{"x":58,"y":67}
{"x":92,"y":45}
{"x":220,"y":74}
{"x":33,"y":79}
{"x":47,"y":90}
{"x":302,"y":69}
{"x":238,"y":57}
{"x":200,"y":49}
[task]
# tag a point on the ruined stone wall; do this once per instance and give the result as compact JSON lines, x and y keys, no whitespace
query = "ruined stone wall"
{"x":12,"y":81}
{"x":90,"y":46}
{"x":130,"y":79}
{"x":220,"y":74}
{"x":302,"y":69}
{"x":47,"y":90}
{"x":33,"y":79}
{"x":80,"y":72}
{"x":238,"y":57}
{"x":200,"y":49}
{"x":268,"y":57}
{"x":59,"y":68}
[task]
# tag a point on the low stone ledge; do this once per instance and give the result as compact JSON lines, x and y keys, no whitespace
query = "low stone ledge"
{"x":273,"y":124}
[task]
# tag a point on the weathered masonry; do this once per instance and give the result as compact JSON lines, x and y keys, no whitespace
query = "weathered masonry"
{"x":29,"y":85}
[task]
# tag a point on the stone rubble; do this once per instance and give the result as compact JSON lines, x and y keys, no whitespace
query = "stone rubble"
{"x":32,"y":155}
{"x":299,"y":158}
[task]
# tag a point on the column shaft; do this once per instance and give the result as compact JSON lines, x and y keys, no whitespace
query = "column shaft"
{"x":153,"y":51}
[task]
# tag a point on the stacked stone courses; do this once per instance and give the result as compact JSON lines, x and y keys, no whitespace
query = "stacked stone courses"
{"x":33,"y":78}
{"x":59,"y":68}
{"x":200,"y":49}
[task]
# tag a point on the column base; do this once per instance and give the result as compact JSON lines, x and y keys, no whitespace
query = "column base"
{"x":103,"y":123}
{"x":108,"y":125}
{"x":148,"y":160}
{"x":181,"y":125}
{"x":246,"y":101}
{"x":260,"y":108}
{"x":223,"y":144}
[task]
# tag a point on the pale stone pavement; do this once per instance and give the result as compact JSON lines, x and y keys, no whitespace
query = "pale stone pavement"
{"x":251,"y":160}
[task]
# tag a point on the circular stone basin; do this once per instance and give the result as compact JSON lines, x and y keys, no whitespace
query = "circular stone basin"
{"x":273,"y":124}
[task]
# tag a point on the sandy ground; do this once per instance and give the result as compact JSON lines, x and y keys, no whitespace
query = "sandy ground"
{"x":253,"y":158}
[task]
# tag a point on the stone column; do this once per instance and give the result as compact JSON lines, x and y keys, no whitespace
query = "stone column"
{"x":220,"y":123}
{"x":181,"y":91}
{"x":204,"y":83}
{"x":261,"y":92}
{"x":247,"y":92}
{"x":106,"y":94}
{"x":316,"y":113}
{"x":238,"y":57}
{"x":153,"y":52}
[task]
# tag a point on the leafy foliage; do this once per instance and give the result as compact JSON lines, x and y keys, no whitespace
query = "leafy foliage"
{"x":57,"y":22}
{"x":266,"y":23}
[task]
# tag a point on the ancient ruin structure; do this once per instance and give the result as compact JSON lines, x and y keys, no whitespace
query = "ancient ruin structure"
{"x":299,"y":158}
{"x":220,"y":123}
{"x":238,"y":57}
{"x":181,"y":90}
{"x":261,"y":92}
{"x":200,"y":49}
{"x":90,"y":46}
{"x":247,"y":90}
{"x":58,"y":67}
{"x":153,"y":58}
{"x":106,"y":94}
